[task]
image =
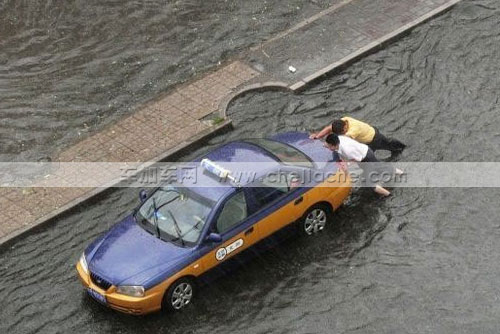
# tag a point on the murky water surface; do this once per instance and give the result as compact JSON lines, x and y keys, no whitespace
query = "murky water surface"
{"x":423,"y":261}
{"x":69,"y":68}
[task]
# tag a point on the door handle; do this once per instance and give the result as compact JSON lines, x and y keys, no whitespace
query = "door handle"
{"x":250,"y":230}
{"x":298,"y":200}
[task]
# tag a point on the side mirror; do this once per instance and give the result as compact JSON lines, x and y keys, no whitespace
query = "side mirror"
{"x":214,"y":237}
{"x":143,"y":195}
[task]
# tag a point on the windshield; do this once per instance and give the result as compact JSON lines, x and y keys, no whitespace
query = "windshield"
{"x":180,"y":214}
{"x":287,"y":154}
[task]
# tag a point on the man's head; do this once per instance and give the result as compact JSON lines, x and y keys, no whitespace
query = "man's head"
{"x":339,"y":127}
{"x":332,"y":142}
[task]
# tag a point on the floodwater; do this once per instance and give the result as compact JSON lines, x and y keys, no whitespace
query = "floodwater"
{"x":422,"y":261}
{"x":69,"y":68}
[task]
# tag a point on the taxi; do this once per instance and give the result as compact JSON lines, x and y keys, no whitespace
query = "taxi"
{"x":154,"y":257}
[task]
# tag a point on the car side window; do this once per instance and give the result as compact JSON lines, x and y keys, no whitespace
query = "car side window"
{"x":233,"y":212}
{"x":272,"y":187}
{"x":294,"y":180}
{"x":278,"y":182}
{"x":265,"y":195}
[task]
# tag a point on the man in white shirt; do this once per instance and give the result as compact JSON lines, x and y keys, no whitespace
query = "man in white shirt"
{"x":351,"y":150}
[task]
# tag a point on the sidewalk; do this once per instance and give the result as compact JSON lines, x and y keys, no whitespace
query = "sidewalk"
{"x":191,"y":112}
{"x":154,"y":132}
{"x":338,"y":35}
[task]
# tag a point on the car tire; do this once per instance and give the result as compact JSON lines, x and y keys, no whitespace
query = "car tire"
{"x":314,"y":220}
{"x":179,"y":295}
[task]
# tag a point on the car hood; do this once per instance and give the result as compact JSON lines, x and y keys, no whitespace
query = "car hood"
{"x":128,"y":255}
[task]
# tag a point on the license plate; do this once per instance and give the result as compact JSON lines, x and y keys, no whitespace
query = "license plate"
{"x":97,"y":296}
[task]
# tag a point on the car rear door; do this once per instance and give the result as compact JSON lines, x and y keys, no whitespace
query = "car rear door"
{"x":278,"y":201}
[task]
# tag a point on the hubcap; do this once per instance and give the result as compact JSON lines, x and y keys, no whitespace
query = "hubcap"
{"x":182,"y":295}
{"x":315,"y":221}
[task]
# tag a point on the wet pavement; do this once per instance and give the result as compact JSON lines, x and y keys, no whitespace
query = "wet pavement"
{"x":423,"y":261}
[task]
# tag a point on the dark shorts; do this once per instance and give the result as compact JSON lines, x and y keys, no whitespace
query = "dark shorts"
{"x":370,"y":156}
{"x":381,"y":142}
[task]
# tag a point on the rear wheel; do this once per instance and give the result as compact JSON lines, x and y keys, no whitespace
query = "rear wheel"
{"x":179,"y":294}
{"x":315,"y":219}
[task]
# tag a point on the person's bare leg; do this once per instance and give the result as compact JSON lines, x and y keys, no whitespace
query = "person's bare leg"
{"x":382,"y":191}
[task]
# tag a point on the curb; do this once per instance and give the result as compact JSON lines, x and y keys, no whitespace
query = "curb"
{"x":372,"y":47}
{"x":173,"y":153}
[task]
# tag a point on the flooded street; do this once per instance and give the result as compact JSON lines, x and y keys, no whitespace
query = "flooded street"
{"x":422,"y":261}
{"x":62,"y":78}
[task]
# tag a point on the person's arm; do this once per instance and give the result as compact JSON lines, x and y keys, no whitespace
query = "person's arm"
{"x":326,"y":131}
{"x":342,"y":165}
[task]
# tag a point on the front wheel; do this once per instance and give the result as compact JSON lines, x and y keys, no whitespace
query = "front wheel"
{"x":315,"y":219}
{"x":179,"y":294}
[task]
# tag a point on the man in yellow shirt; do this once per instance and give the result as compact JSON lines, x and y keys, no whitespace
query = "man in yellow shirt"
{"x":361,"y":132}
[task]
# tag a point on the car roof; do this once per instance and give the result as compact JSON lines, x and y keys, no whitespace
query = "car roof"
{"x":241,"y":152}
{"x":226,"y":155}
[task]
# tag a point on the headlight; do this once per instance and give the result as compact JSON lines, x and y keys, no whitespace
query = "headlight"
{"x":83,"y":263}
{"x":131,"y":290}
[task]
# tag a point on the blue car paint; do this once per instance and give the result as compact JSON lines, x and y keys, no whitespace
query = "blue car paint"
{"x":239,"y":152}
{"x":129,"y":255}
{"x":210,"y":186}
{"x":312,"y":148}
{"x":129,"y":250}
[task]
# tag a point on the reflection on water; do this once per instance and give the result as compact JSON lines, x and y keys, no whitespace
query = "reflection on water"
{"x":424,"y":260}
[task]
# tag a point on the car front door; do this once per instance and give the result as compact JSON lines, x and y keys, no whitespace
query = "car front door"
{"x":236,"y":228}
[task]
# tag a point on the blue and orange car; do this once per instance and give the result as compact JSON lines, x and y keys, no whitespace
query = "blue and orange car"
{"x":153,"y":258}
